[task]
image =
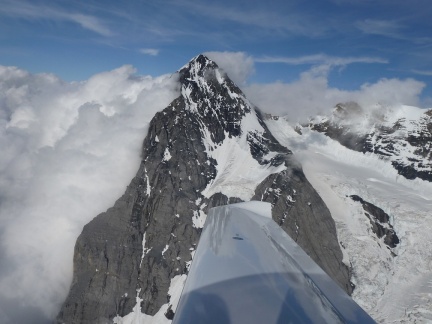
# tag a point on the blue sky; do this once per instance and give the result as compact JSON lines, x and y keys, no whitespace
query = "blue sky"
{"x":360,"y":41}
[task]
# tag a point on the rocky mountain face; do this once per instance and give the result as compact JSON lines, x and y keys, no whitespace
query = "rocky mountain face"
{"x":209,"y":147}
{"x":401,"y":135}
{"x":380,"y":222}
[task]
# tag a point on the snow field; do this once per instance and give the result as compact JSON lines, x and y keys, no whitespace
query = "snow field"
{"x":392,"y":289}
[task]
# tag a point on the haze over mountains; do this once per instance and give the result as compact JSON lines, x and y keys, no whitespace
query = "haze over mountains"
{"x":74,"y":143}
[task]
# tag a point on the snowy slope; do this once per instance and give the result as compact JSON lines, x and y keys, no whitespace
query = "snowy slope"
{"x":399,"y":134}
{"x":393,"y":289}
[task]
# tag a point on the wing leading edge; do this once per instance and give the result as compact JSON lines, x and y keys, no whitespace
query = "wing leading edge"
{"x":246,"y":269}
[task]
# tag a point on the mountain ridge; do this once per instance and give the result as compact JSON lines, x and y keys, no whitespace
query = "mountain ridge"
{"x":401,"y":135}
{"x":193,"y":157}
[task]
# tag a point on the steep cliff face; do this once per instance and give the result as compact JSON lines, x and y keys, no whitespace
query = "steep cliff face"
{"x":209,"y":147}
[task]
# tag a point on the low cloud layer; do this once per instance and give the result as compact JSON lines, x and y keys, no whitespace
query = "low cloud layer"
{"x":311,"y":94}
{"x":68,"y":152}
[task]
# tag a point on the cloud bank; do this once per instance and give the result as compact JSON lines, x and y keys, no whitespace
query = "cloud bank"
{"x":312,"y":95}
{"x":68,"y":152}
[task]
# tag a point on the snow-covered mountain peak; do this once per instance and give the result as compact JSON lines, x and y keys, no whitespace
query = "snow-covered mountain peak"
{"x":222,"y":110}
{"x":358,"y":119}
{"x":197,"y":67}
{"x":232,"y":131}
{"x":353,"y":115}
{"x":407,"y":117}
{"x":399,"y":134}
{"x":204,"y":83}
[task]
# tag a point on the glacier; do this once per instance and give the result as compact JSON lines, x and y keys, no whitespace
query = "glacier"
{"x":393,"y":289}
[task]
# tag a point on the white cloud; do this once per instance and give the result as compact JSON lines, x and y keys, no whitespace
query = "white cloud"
{"x":390,"y":91}
{"x":149,"y":51}
{"x":311,"y":95}
{"x":27,"y":10}
{"x":238,"y":65}
{"x":422,"y":72}
{"x":320,"y":59}
{"x":379,"y":27}
{"x":68,"y":152}
{"x":87,"y":22}
{"x":391,"y":29}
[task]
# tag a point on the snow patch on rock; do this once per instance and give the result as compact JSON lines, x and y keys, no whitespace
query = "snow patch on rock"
{"x":167,"y":155}
{"x":238,"y":173}
{"x":137,"y":317}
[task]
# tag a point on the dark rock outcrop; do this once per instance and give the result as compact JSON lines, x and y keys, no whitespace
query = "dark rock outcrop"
{"x":133,"y":250}
{"x":380,"y":222}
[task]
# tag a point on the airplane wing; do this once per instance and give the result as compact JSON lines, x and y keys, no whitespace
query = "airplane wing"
{"x":246,"y":269}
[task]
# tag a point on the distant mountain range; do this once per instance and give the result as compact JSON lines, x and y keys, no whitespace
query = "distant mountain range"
{"x":402,"y":135}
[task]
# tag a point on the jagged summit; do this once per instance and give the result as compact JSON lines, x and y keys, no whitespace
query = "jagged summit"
{"x":223,"y":109}
{"x":197,"y":67}
{"x":209,"y":147}
{"x":208,"y":92}
{"x":204,"y":76}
